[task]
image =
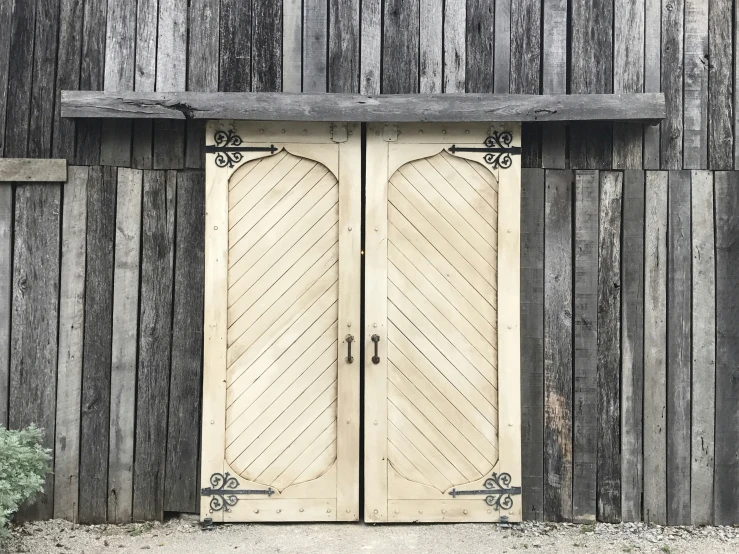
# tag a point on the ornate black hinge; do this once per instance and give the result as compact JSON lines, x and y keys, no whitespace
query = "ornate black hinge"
{"x":223,"y":489}
{"x":498,"y":149}
{"x":229,"y":148}
{"x":497,"y":491}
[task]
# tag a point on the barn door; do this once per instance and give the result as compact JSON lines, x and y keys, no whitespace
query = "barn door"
{"x":442,"y":398}
{"x":281,"y":367}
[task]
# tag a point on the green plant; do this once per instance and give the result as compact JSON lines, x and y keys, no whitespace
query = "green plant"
{"x":24,"y":464}
{"x":587,"y":528}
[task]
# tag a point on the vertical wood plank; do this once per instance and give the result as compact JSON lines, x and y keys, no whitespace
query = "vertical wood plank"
{"x":123,"y":358}
{"x":20,"y":74}
{"x":400,"y":47}
{"x":44,"y":74}
{"x":558,"y":346}
{"x":71,"y":329}
{"x":721,"y":88}
{"x":181,"y":490}
{"x":432,"y":32}
{"x":266,"y":54}
{"x":371,"y":51}
{"x":554,"y":77}
{"x":236,"y":38}
{"x":678,"y":348}
{"x":695,"y":86}
{"x":92,"y":75}
{"x":120,"y":58}
{"x":609,"y":348}
{"x":628,"y":76}
{"x":145,"y":80}
{"x":726,"y":483}
{"x":632,"y":346}
{"x":526,"y":59}
{"x":591,"y":71}
{"x":502,"y":47}
{"x":292,"y":45}
{"x":67,"y":76}
{"x":6,"y":12}
{"x":532,"y":342}
{"x":479,"y":74}
{"x":672,"y":69}
{"x":652,"y":76}
{"x":655,"y":349}
{"x":169,"y":135}
{"x":703,"y":409}
{"x":585,"y":443}
{"x":736,"y":86}
{"x":315,"y":45}
{"x":155,"y":309}
{"x":6,"y":280}
{"x":96,"y":365}
{"x":343,"y":46}
{"x":202,"y":69}
{"x":35,"y":311}
{"x":455,"y":48}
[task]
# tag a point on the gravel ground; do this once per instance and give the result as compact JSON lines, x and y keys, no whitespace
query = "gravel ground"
{"x":183,"y":536}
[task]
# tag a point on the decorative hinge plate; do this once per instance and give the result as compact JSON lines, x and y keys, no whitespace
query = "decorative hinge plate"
{"x":390,"y":133}
{"x":498,"y":491}
{"x":339,"y":132}
{"x":225,"y":492}
{"x":497,"y":149}
{"x":228,"y":148}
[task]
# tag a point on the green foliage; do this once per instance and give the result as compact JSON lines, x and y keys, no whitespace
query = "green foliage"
{"x":24,"y":464}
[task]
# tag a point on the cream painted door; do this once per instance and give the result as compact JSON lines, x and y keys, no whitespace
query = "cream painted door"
{"x":282,"y":300}
{"x":442,"y":393}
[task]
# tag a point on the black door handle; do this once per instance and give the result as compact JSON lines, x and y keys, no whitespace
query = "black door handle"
{"x":376,"y":340}
{"x":349,"y":340}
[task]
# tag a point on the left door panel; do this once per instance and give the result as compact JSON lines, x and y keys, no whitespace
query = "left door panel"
{"x":282,"y":308}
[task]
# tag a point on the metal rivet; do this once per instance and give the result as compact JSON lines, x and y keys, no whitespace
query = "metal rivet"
{"x":256,"y":511}
{"x":443,"y":132}
{"x":349,"y":324}
{"x":301,"y":509}
{"x":375,"y":511}
{"x":375,"y":422}
{"x":212,"y":421}
{"x":376,"y":227}
{"x":348,"y":421}
{"x":282,"y":131}
{"x":467,"y":132}
{"x":490,"y":511}
{"x":215,"y":228}
{"x":328,"y":511}
{"x":374,"y":325}
{"x":397,"y":511}
{"x":348,"y":511}
{"x":350,"y":228}
{"x":465,"y":511}
{"x":420,"y":511}
{"x":443,"y":511}
{"x":278,"y":510}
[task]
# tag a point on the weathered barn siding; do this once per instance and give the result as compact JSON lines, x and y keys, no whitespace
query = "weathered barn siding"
{"x":630,"y":390}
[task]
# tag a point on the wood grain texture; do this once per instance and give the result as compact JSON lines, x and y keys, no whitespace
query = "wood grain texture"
{"x":123,"y":357}
{"x":6,"y":280}
{"x":695,"y":85}
{"x":672,"y":70}
{"x":558,"y":341}
{"x":379,"y":108}
{"x":343,"y":46}
{"x":235,"y":57}
{"x":32,"y":170}
{"x":6,"y":12}
{"x":400,"y":46}
{"x":33,"y":326}
{"x":554,"y":76}
{"x":502,"y":47}
{"x":67,"y":75}
{"x":371,"y":39}
{"x":454,"y":45}
{"x":71,"y":340}
{"x":632,"y":346}
{"x":703,"y":380}
{"x":721,"y":88}
{"x":315,"y":45}
{"x":183,"y":433}
{"x":145,"y":79}
{"x":96,"y":365}
{"x":726,"y":483}
{"x":266,"y":54}
{"x":679,"y":329}
{"x":609,"y":348}
{"x":652,"y":75}
{"x":655,"y":348}
{"x":155,"y":320}
{"x":432,"y":32}
{"x":628,"y":76}
{"x":292,"y":45}
{"x":532,"y":342}
{"x":480,"y":40}
{"x":585,"y":366}
{"x":92,"y":77}
{"x":44,"y":74}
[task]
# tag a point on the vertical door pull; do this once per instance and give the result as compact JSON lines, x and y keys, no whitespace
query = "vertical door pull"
{"x":376,"y":358}
{"x":349,"y":340}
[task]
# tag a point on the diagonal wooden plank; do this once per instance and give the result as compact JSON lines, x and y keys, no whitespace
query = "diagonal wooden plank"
{"x":257,"y":183}
{"x":292,"y":206}
{"x":397,"y":439}
{"x":324,"y":462}
{"x":407,"y":240}
{"x":239,"y":178}
{"x":404,"y":466}
{"x":475,"y":184}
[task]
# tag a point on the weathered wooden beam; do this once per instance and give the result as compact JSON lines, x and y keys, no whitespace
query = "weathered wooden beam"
{"x":32,"y":170}
{"x":355,"y":107}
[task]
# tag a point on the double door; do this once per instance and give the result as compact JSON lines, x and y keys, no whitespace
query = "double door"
{"x":300,"y":219}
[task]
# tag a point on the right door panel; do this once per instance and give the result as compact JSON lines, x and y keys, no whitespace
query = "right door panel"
{"x":434,"y":401}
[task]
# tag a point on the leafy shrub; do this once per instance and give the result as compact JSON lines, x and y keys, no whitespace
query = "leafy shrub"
{"x":24,"y":464}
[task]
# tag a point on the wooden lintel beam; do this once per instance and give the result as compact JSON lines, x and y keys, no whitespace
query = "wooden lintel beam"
{"x":32,"y":170}
{"x":264,"y":106}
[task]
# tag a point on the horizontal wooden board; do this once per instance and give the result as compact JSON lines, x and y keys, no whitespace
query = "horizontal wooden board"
{"x":356,"y":107}
{"x":32,"y":170}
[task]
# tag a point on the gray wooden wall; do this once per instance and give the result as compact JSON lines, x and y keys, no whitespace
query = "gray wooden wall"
{"x":630,"y":336}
